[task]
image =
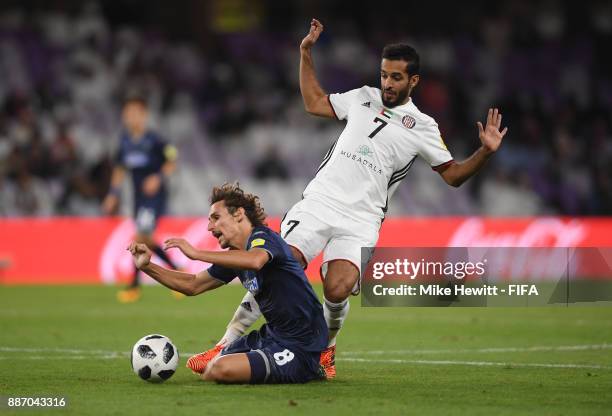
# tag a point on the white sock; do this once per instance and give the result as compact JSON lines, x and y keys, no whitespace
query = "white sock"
{"x":335,"y":314}
{"x":247,"y":313}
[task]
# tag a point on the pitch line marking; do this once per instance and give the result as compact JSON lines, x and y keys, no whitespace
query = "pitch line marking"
{"x":476,"y":363}
{"x":78,"y":354}
{"x":360,"y":360}
{"x":543,"y":348}
{"x":65,"y":357}
{"x":60,"y":350}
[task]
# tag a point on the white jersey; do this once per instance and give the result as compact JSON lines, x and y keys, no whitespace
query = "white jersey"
{"x":373,"y":154}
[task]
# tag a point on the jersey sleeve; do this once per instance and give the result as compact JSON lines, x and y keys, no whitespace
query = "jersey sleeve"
{"x":342,"y":102}
{"x":222,"y":273}
{"x":269,"y":242}
{"x":165,"y":151}
{"x":433,"y":149}
{"x":169,"y":152}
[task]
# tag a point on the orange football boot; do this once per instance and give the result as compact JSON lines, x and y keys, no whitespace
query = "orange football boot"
{"x":328,"y":362}
{"x":129,"y":295}
{"x":197,"y":363}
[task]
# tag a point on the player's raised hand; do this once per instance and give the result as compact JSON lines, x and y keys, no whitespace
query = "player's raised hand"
{"x":182,"y":244}
{"x":490,"y":136}
{"x":141,"y":254}
{"x":316,"y":28}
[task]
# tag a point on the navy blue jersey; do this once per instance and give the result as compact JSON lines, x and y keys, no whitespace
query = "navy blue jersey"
{"x":292,"y":310}
{"x":142,"y":158}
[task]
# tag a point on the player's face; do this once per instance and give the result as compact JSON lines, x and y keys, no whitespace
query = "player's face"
{"x":395,"y":82}
{"x":223,"y":225}
{"x":134,"y":117}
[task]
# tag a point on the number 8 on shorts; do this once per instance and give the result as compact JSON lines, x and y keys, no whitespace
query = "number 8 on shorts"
{"x":283,"y":357}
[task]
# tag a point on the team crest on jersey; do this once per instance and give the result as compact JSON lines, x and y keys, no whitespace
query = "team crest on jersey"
{"x":365,"y":151}
{"x":408,"y":121}
{"x":250,"y":283}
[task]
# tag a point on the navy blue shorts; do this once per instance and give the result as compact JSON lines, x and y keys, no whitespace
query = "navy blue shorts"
{"x":146,"y":213}
{"x":272,"y":362}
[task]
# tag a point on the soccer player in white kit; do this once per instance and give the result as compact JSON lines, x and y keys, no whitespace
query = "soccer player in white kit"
{"x":343,"y":206}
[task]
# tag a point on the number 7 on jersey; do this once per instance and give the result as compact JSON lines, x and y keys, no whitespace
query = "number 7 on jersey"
{"x":292,"y":224}
{"x":382,"y":122}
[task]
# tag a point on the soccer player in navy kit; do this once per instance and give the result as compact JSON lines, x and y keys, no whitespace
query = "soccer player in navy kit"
{"x":150,"y":161}
{"x":287,"y":348}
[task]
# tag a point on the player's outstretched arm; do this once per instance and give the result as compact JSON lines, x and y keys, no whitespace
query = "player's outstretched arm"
{"x":253,"y":259}
{"x":186,"y":283}
{"x":490,"y":138}
{"x":315,"y":98}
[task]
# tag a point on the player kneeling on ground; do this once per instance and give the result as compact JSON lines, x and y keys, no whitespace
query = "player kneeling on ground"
{"x":287,"y":348}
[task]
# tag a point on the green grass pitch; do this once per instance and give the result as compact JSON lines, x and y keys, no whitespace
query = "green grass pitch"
{"x":74,"y":341}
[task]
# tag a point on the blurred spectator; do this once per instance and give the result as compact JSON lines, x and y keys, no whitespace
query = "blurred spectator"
{"x":503,"y":197}
{"x":216,"y":73}
{"x":29,"y":196}
{"x":271,"y":166}
{"x":5,"y":196}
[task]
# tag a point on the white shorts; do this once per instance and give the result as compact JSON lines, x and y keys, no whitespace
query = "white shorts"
{"x":312,"y":227}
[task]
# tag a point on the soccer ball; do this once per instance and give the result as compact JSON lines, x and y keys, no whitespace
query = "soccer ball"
{"x":154,"y":358}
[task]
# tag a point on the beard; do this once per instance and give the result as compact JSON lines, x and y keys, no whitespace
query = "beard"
{"x":399,"y":98}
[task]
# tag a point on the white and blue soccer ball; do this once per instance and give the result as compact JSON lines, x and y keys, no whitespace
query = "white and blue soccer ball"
{"x":154,"y":358}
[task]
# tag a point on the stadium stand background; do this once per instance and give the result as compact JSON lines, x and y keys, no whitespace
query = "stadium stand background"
{"x":222,"y":80}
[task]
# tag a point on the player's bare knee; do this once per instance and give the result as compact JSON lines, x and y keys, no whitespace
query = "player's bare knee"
{"x":220,"y":371}
{"x":340,"y":280}
{"x":337,"y":291}
{"x":144,"y":239}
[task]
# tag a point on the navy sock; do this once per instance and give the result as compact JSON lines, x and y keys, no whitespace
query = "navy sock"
{"x":162,"y":255}
{"x":136,"y":279}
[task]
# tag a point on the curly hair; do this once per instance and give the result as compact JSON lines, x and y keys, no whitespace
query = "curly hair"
{"x":235,"y":198}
